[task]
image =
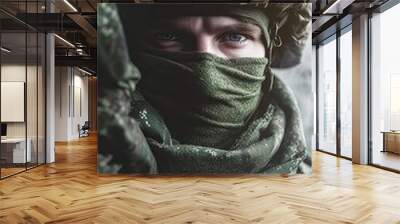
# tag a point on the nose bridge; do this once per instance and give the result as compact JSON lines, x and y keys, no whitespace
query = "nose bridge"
{"x":202,"y":34}
{"x":204,"y":44}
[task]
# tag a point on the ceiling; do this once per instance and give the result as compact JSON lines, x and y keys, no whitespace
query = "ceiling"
{"x":75,"y":22}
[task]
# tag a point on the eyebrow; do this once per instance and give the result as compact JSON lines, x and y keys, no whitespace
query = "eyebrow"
{"x":239,"y":26}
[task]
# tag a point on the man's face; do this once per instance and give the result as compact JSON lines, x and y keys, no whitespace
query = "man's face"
{"x":225,"y":37}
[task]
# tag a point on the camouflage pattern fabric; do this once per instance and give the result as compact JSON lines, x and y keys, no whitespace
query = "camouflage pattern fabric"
{"x":121,"y":145}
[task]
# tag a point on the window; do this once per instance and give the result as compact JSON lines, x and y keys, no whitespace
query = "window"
{"x":346,"y":93}
{"x":385,"y":89}
{"x":327,"y":96}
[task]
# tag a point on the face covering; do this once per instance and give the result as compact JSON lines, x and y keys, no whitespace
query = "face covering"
{"x":204,"y":100}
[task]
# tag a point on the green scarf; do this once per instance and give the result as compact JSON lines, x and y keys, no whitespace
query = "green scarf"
{"x":272,"y":143}
{"x":204,"y":100}
{"x":205,"y":114}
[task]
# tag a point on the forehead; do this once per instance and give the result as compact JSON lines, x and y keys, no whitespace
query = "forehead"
{"x":143,"y":15}
{"x":203,"y":22}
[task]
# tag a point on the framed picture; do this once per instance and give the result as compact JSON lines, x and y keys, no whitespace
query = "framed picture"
{"x":204,"y":88}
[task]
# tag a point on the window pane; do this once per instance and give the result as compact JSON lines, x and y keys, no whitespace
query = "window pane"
{"x":327,"y":97}
{"x":346,"y":94}
{"x":385,"y":86}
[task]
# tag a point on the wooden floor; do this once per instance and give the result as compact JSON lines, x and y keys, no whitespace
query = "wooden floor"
{"x":70,"y":191}
{"x":5,"y":172}
{"x":387,"y":159}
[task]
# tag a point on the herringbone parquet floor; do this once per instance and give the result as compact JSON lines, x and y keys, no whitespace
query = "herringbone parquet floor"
{"x":70,"y":191}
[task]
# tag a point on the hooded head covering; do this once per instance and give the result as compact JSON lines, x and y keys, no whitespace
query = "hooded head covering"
{"x":285,"y":25}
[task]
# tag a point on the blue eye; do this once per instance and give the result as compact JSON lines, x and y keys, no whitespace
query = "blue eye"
{"x":235,"y":37}
{"x":166,"y":36}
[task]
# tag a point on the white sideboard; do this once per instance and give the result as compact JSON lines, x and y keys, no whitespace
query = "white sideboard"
{"x":17,"y":146}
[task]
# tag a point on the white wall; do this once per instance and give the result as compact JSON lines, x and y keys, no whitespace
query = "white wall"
{"x":17,"y":73}
{"x":71,"y":102}
{"x":81,"y":104}
{"x":61,"y":103}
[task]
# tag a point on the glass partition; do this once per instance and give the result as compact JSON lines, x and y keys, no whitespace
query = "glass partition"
{"x":14,"y":153}
{"x":22,"y":78}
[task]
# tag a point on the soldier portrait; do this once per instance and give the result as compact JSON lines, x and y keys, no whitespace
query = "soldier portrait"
{"x":203,"y":88}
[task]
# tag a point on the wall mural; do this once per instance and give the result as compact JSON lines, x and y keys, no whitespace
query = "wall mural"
{"x":204,"y":88}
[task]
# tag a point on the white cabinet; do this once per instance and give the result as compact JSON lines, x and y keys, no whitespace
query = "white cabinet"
{"x":16,"y":147}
